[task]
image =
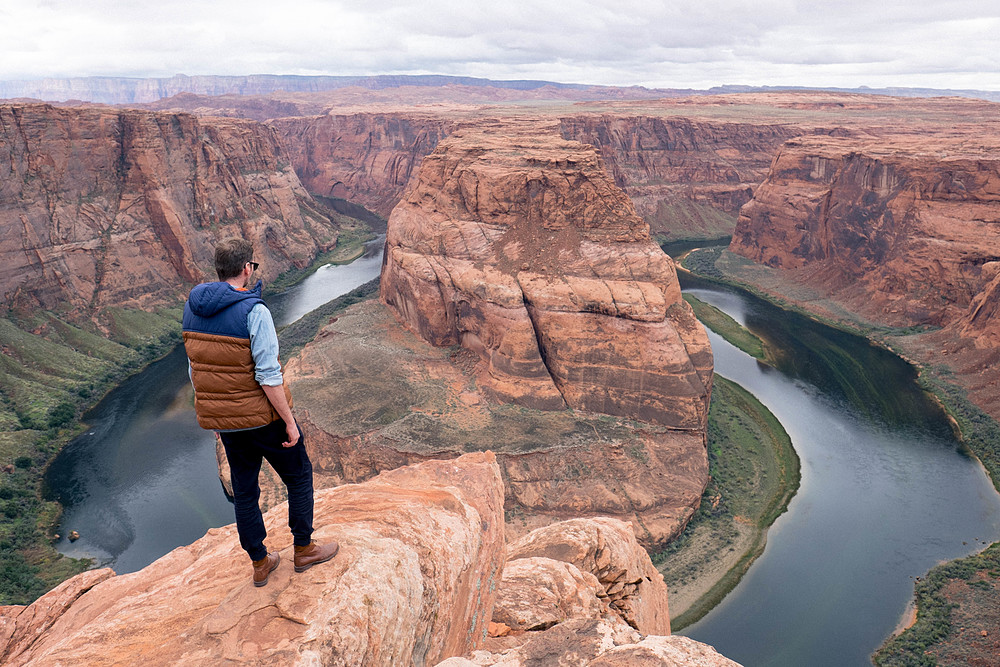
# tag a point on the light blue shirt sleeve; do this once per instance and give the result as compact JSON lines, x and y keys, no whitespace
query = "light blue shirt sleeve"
{"x":264,"y":346}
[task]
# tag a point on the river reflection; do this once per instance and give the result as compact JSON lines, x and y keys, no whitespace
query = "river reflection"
{"x":886,"y":494}
{"x":143,"y":479}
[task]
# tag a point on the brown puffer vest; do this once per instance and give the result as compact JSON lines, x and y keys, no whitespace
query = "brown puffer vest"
{"x":217,"y":341}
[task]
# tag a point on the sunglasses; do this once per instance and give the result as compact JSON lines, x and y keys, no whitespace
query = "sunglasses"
{"x":253,"y":265}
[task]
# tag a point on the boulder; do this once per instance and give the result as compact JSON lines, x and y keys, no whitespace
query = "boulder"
{"x":607,"y":549}
{"x":537,"y":593}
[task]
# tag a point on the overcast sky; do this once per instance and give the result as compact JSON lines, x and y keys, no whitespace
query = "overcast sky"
{"x":679,"y":44}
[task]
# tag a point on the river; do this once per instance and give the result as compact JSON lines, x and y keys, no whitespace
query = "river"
{"x":143,"y":479}
{"x":886,"y":491}
{"x":886,"y":494}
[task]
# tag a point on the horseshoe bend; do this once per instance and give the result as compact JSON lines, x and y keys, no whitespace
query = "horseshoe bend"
{"x":525,"y":309}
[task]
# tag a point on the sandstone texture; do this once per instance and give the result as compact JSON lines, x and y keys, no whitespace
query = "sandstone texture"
{"x":421,"y":554}
{"x":905,"y":231}
{"x":536,"y":593}
{"x":371,"y":396}
{"x":607,"y":549}
{"x":598,"y":643}
{"x":513,"y":243}
{"x":102,"y":207}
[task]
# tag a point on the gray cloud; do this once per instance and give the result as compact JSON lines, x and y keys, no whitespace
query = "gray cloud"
{"x":625,"y":42}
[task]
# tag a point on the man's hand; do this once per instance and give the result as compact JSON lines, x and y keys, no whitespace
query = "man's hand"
{"x":276,"y":395}
{"x":293,"y":434}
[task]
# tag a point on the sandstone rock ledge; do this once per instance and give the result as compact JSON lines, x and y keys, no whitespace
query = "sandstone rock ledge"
{"x":421,"y":553}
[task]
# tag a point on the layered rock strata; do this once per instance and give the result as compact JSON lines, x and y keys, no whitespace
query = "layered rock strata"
{"x":687,"y":177}
{"x":365,"y":157}
{"x":100,"y":207}
{"x":421,"y":555}
{"x":904,"y":229}
{"x":513,"y":243}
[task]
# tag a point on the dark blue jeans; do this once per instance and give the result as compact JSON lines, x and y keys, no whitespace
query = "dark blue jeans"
{"x":245,"y":450}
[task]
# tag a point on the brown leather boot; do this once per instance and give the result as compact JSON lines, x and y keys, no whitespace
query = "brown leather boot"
{"x":313,"y":554}
{"x":262,"y":568}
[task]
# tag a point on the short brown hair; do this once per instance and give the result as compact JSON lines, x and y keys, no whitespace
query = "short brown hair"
{"x":231,"y":256}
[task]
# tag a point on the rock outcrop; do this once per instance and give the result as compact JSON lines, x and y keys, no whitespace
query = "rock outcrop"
{"x":421,"y":554}
{"x":606,"y":549}
{"x":100,"y":207}
{"x":513,"y":243}
{"x":598,"y":643}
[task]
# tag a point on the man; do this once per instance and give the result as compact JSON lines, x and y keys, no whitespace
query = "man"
{"x":239,"y":392}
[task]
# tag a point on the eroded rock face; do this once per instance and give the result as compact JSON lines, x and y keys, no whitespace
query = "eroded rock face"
{"x":687,"y":177}
{"x":536,"y":593}
{"x":100,"y":207}
{"x":902,"y":228}
{"x":371,"y":396}
{"x":515,"y":244}
{"x":367,"y":158}
{"x":598,"y":643}
{"x":421,"y":554}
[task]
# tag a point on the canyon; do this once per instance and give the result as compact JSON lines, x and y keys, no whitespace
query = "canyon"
{"x":532,"y":314}
{"x":879,"y":210}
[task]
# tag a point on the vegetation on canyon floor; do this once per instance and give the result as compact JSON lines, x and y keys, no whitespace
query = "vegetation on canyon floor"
{"x":50,"y":371}
{"x":956,"y":616}
{"x":754,"y":474}
{"x":727,"y":327}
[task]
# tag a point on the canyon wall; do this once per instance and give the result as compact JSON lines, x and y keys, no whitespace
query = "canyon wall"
{"x":686,"y":177}
{"x":366,"y":158}
{"x":101,"y":208}
{"x":904,"y":229}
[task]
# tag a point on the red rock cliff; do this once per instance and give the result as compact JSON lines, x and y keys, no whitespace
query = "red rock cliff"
{"x":902,"y":228}
{"x":100,"y":207}
{"x":687,"y":178}
{"x":513,"y":243}
{"x":367,"y":158}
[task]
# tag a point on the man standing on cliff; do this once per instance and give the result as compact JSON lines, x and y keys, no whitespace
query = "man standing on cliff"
{"x":239,"y":392}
